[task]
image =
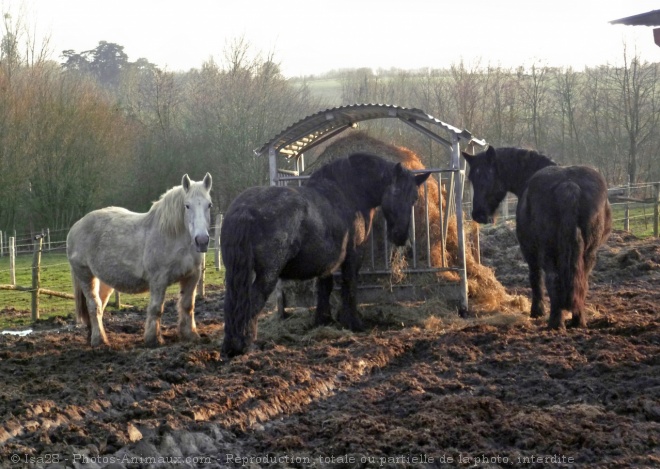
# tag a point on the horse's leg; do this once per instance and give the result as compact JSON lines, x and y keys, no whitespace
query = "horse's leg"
{"x":241,"y":329}
{"x":104,"y":294}
{"x":281,"y":300}
{"x":535,"y":277}
{"x":152,"y":334}
{"x":264,"y":284}
{"x":186,"y":308}
{"x":348,"y":314}
{"x":531,"y":246}
{"x":579,"y":318}
{"x":552,"y":284}
{"x":324,"y":287}
{"x":97,"y":334}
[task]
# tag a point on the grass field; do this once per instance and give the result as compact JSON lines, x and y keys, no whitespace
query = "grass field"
{"x":641,"y":219}
{"x":56,"y":275}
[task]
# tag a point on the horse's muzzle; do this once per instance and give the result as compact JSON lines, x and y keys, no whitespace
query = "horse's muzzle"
{"x":202,"y":243}
{"x":398,"y":237}
{"x":482,"y":217}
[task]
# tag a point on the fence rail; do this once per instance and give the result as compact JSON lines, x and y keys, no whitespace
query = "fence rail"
{"x":35,"y":289}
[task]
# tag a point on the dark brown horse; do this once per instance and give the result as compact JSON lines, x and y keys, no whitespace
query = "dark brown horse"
{"x":305,"y":232}
{"x":563,"y":216}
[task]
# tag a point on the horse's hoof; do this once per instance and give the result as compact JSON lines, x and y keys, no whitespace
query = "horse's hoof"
{"x":354,"y":324}
{"x":580,"y":323}
{"x":190,"y":336}
{"x":231,"y":352}
{"x":358,"y":327}
{"x":556,"y":325}
{"x":536,"y":313}
{"x":232,"y":347}
{"x":100,"y":344}
{"x":322,"y":320}
{"x":98,"y":341}
{"x":153,"y":342}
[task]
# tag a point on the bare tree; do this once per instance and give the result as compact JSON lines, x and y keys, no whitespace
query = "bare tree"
{"x":533,"y":86}
{"x":568,"y":89}
{"x":637,"y":105}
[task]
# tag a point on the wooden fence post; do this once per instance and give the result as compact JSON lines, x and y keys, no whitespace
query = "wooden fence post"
{"x":48,"y":239}
{"x":12,"y":261}
{"x":2,"y":246}
{"x":656,"y":209}
{"x":504,"y":210}
{"x":117,"y":299}
{"x":36,"y":277}
{"x":626,"y":216}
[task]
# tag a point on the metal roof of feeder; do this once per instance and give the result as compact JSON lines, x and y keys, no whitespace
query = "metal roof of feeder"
{"x":319,"y":127}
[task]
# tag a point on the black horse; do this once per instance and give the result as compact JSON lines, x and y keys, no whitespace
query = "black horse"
{"x":563,"y":216}
{"x":306,"y":232}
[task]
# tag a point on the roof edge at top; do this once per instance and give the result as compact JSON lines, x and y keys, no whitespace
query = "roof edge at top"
{"x":650,"y":18}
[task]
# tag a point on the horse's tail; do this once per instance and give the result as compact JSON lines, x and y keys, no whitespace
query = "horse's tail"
{"x":82,"y":312}
{"x":238,"y":258}
{"x":570,"y":249}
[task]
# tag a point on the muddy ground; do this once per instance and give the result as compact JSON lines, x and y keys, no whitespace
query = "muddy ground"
{"x":488,"y":391}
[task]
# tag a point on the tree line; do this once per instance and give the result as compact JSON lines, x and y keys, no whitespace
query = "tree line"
{"x":606,"y":117}
{"x":97,"y":129}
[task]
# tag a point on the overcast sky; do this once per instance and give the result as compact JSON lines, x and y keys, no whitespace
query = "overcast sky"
{"x":312,"y":37}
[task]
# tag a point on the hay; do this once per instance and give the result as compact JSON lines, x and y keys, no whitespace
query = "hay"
{"x":297,"y":327}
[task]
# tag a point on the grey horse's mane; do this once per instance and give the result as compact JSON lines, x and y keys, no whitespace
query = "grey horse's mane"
{"x":167,"y":212}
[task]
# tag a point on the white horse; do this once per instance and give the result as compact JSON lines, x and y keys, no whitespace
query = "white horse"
{"x":113,"y":248}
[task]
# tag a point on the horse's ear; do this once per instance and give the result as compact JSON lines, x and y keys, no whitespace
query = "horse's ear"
{"x":469,"y":158}
{"x":185,"y":182}
{"x":208,"y":181}
{"x":398,"y":170}
{"x":490,"y":154}
{"x":420,"y":178}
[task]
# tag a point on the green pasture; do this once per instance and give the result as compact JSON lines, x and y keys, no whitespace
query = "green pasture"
{"x":56,"y":275}
{"x":640,"y":216}
{"x":326,"y":89}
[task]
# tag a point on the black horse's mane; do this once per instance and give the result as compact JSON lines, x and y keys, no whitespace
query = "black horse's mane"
{"x":522,"y":161}
{"x":356,"y":172}
{"x":352,"y":166}
{"x":516,"y":165}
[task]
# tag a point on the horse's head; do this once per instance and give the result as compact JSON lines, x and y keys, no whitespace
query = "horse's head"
{"x":397,"y":202}
{"x":197,"y":215}
{"x":487,"y":187}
